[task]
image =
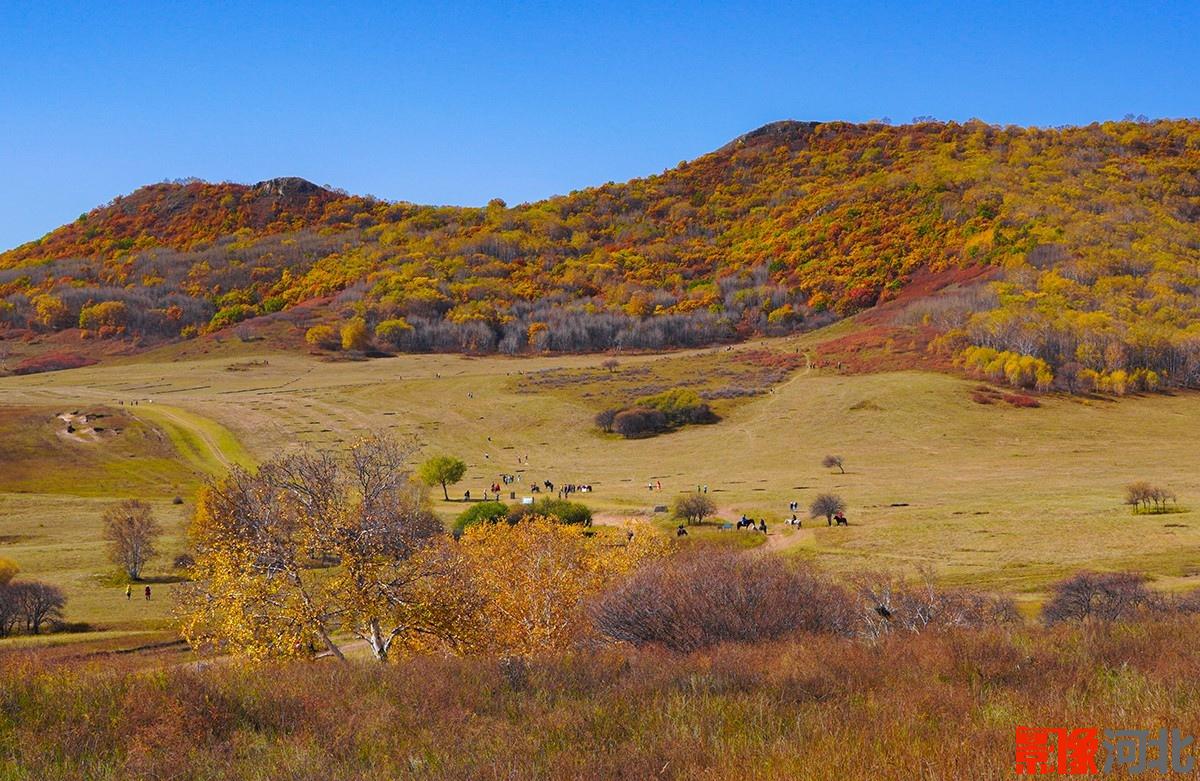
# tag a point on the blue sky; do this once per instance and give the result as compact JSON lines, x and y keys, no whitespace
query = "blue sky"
{"x":442,"y":103}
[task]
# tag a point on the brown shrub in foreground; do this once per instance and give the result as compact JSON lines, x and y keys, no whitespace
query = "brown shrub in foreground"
{"x":932,"y":705}
{"x":706,"y":598}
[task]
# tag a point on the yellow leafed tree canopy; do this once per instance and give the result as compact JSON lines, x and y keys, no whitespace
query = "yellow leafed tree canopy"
{"x":313,"y":546}
{"x":536,"y":578}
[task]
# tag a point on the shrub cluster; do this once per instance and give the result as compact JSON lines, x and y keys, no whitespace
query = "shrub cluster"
{"x":707,"y":598}
{"x":1144,"y":497}
{"x":656,"y":414}
{"x":548,"y":507}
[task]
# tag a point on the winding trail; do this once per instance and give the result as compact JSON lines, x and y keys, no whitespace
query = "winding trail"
{"x":191,"y":438}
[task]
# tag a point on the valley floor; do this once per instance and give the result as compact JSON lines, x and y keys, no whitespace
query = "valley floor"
{"x":993,"y":496}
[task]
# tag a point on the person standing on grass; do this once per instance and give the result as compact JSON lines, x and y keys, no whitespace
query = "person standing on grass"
{"x":128,"y":592}
{"x":147,"y":593}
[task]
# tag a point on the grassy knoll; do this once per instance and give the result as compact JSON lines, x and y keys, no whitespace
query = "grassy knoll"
{"x":987,"y":494}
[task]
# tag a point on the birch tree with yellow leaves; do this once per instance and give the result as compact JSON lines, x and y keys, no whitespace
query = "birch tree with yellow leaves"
{"x":314,"y":544}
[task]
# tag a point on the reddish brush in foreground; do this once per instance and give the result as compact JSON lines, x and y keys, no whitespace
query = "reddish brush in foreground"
{"x":936,"y":706}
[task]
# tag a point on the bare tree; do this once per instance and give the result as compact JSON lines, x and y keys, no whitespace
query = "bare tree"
{"x":829,"y":462}
{"x":38,"y":604}
{"x":131,"y":531}
{"x":826,"y":505}
{"x":1137,"y":494}
{"x":1104,"y":596}
{"x":890,"y":604}
{"x":605,"y":419}
{"x":1141,"y":495}
{"x":693,"y":508}
{"x":10,"y":609}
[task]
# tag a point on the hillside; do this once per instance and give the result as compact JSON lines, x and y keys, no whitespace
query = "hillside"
{"x":1091,"y":234}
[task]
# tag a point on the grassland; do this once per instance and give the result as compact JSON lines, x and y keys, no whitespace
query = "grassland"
{"x":989,"y":495}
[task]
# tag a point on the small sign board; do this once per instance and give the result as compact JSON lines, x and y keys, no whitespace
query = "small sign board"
{"x":527,"y":500}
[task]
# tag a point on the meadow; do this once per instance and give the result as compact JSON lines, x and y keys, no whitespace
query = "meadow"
{"x":993,"y":496}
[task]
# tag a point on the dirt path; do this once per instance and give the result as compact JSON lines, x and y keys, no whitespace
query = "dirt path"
{"x":197,"y":432}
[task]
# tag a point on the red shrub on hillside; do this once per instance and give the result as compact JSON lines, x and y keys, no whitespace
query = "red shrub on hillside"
{"x":52,"y":362}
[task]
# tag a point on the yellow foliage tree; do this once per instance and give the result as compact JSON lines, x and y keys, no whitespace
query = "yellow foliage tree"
{"x":8,"y":570}
{"x":321,"y":336}
{"x":50,"y":311}
{"x":355,"y":335}
{"x":312,"y":544}
{"x":536,"y":577}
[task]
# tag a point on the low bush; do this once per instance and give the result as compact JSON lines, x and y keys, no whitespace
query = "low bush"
{"x":639,"y":422}
{"x":702,"y":599}
{"x":559,"y":509}
{"x":483,"y":512}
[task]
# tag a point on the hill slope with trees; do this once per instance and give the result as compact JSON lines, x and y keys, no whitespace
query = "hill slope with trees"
{"x":1091,"y":237}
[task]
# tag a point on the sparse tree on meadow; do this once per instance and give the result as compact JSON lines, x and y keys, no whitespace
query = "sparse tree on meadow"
{"x":693,"y":508}
{"x":826,"y":505}
{"x":38,"y":603}
{"x":1142,"y":494}
{"x":639,"y":422}
{"x":444,"y":471}
{"x":829,"y":462}
{"x":131,"y":532}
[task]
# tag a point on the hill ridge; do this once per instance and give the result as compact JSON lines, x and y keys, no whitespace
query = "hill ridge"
{"x":1094,"y":233}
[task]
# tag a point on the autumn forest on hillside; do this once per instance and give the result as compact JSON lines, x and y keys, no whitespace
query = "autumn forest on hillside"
{"x":1082,"y":245}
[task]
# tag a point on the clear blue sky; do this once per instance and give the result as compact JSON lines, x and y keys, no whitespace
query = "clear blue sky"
{"x":520,"y":101}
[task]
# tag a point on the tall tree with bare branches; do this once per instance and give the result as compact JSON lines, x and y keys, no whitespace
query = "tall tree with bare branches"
{"x":131,"y":532}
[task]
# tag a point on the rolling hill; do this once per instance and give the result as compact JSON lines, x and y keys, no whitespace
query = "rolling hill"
{"x":1088,"y":240}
